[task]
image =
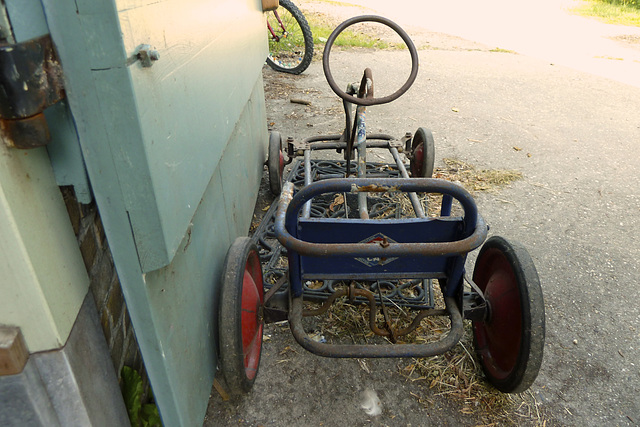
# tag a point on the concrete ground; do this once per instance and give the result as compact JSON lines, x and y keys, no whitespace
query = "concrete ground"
{"x":544,"y":29}
{"x":574,"y":135}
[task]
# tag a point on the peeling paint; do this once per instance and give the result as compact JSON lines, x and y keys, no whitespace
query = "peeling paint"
{"x":373,"y":189}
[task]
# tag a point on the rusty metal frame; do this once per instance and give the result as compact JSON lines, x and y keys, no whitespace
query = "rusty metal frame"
{"x":469,"y":233}
{"x":372,"y":350}
{"x":473,"y":227}
{"x":289,"y":206}
{"x":370,"y":100}
{"x":336,"y":142}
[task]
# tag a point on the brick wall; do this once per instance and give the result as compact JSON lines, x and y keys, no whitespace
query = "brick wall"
{"x":105,"y":285}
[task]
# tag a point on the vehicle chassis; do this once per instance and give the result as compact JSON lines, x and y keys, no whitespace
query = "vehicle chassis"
{"x":359,"y":250}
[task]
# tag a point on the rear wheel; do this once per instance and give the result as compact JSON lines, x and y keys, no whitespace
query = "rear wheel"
{"x":290,"y":39}
{"x":240,"y":316}
{"x":423,"y":154}
{"x":275,"y":163}
{"x":510,"y":342}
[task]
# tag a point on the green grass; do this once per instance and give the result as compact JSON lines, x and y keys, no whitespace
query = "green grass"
{"x":612,"y":11}
{"x":627,"y":3}
{"x":500,"y":50}
{"x":348,"y":38}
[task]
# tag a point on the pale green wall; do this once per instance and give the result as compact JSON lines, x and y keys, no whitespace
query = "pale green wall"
{"x":174,"y":153}
{"x":180,"y":112}
{"x":184,"y":295}
{"x":42,"y":276}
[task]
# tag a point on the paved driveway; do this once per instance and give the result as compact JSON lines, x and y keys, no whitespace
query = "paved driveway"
{"x":542,"y":29}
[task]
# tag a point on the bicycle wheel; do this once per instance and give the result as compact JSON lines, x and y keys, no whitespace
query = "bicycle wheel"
{"x":290,"y":39}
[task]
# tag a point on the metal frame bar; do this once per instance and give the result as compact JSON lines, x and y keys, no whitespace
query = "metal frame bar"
{"x":372,"y":350}
{"x":475,"y":229}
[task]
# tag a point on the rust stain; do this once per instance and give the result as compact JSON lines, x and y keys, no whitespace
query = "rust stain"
{"x":372,"y":188}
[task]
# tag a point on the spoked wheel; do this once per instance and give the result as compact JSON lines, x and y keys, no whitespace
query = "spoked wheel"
{"x":424,"y":152}
{"x":510,"y":341}
{"x":290,"y":39}
{"x":275,"y":163}
{"x":240,"y":316}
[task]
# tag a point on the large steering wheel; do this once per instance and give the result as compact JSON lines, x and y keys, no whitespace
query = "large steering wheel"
{"x":370,"y":101}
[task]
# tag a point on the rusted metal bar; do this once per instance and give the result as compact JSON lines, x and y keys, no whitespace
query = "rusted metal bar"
{"x":370,"y":101}
{"x":413,"y":197}
{"x":372,"y":311}
{"x":286,"y":218}
{"x":387,"y":319}
{"x":275,"y":307}
{"x":327,"y":304}
{"x":275,"y":288}
{"x":366,"y":84}
{"x":377,"y":351}
{"x":366,"y":91}
{"x":353,"y":292}
{"x":306,"y":211}
{"x":351,"y":136}
{"x":361,"y":146}
{"x":342,"y":144}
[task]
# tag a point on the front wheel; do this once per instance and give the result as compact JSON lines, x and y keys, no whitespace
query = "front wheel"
{"x":290,"y":39}
{"x":423,"y":154}
{"x":510,"y":341}
{"x":240,"y":316}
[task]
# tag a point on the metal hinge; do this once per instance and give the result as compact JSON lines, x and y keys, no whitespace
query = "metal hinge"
{"x":30,"y":80}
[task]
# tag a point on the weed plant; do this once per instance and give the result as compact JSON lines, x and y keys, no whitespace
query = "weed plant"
{"x":620,"y":12}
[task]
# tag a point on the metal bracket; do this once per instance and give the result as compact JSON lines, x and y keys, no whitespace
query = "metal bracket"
{"x":475,"y":305}
{"x":30,"y":81}
{"x":276,"y":305}
{"x":145,"y":54}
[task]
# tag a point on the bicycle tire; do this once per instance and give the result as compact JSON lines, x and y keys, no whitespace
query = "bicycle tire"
{"x":291,"y":50}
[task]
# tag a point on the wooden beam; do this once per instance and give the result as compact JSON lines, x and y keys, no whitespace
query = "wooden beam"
{"x":13,"y":350}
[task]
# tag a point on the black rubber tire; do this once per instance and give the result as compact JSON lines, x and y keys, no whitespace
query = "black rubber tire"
{"x":424,"y":153}
{"x":240,"y":324}
{"x":510,"y":342}
{"x":296,"y":40}
{"x":275,"y":163}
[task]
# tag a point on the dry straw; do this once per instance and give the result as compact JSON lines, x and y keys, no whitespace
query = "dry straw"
{"x":457,"y":373}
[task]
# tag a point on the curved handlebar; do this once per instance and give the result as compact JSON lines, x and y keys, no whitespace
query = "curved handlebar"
{"x":289,"y":207}
{"x":370,"y":101}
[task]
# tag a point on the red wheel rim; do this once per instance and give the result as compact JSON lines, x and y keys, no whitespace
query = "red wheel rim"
{"x":418,"y":160}
{"x":281,"y":162}
{"x":250,"y":318}
{"x":498,"y":339}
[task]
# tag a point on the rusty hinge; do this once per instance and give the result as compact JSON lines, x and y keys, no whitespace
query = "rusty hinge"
{"x":30,"y":81}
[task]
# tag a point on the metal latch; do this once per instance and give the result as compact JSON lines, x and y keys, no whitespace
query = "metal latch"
{"x":30,"y":80}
